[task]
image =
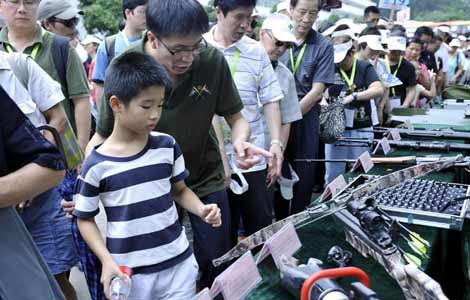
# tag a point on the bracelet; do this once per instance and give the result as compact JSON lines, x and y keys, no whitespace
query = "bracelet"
{"x":277,"y":142}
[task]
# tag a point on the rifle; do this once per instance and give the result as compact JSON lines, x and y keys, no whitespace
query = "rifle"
{"x":416,"y":145}
{"x":399,"y":160}
{"x":434,"y":134}
{"x":340,"y":202}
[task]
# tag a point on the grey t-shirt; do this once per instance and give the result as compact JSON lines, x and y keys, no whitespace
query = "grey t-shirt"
{"x":24,"y":274}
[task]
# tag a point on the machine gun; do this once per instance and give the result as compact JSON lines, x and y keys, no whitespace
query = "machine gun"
{"x":432,"y":134}
{"x":392,"y":262}
{"x":415,"y":145}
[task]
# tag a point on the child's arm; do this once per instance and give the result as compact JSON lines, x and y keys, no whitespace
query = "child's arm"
{"x":432,"y":92}
{"x":186,"y":198}
{"x":92,"y":236}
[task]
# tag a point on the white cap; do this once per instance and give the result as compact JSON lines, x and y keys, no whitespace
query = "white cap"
{"x":455,"y":43}
{"x":396,"y":43}
{"x":341,"y":50}
{"x":462,"y":38}
{"x":90,"y":39}
{"x":444,"y":28}
{"x":373,"y":41}
{"x":281,"y":27}
{"x":346,"y":32}
{"x":468,"y":48}
{"x":283,"y":5}
{"x":385,"y":34}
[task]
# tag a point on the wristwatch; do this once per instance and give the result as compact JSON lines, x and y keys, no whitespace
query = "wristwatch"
{"x":278,"y":142}
{"x":354,"y":96}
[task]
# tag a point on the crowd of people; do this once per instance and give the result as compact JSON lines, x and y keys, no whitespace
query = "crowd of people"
{"x":221,"y":120}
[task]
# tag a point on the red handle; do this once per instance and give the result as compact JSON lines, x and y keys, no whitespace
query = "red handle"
{"x":332,"y":273}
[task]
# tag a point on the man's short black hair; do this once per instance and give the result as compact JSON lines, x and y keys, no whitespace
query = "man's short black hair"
{"x":293,"y":3}
{"x":371,"y":10}
{"x":370,"y":31}
{"x":414,"y":40}
{"x":132,"y":72}
{"x":131,"y":4}
{"x":176,"y":18}
{"x":398,"y":30}
{"x":424,"y":30}
{"x":228,"y":5}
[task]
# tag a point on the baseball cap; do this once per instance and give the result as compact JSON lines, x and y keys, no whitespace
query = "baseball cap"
{"x":443,"y":28}
{"x":281,"y":27}
{"x":373,"y":41}
{"x":61,"y":9}
{"x":462,"y":38}
{"x":396,"y":43}
{"x":90,"y":39}
{"x":455,"y":43}
{"x":341,"y":50}
{"x":284,"y":5}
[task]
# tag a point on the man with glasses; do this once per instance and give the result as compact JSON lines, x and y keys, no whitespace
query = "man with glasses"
{"x":276,"y":36}
{"x":311,"y":62}
{"x":23,"y":34}
{"x":260,"y":93}
{"x":59,"y":16}
{"x":133,"y":12}
{"x":202,"y":87}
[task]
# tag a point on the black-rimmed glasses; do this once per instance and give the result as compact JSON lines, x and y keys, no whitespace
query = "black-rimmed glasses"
{"x":181,"y":51}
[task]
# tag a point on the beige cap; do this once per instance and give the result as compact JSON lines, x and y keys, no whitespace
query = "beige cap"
{"x":455,"y":43}
{"x":341,"y":50}
{"x":281,"y":27}
{"x":396,"y":43}
{"x":373,"y":41}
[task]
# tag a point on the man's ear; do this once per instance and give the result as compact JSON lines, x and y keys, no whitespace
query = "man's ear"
{"x":152,"y":39}
{"x":116,"y":105}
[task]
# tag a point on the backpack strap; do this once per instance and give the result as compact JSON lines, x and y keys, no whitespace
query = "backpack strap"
{"x":60,"y":52}
{"x":110,"y":43}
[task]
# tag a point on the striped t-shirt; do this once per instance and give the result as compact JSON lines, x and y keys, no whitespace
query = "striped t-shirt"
{"x":143,"y":230}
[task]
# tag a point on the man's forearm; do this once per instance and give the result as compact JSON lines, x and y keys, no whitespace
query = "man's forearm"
{"x":312,"y":98}
{"x":272,"y":115}
{"x":374,"y":91}
{"x":99,"y":90}
{"x":285,"y":132}
{"x":82,"y":121}
{"x":239,"y":127}
{"x":27,"y":183}
{"x":410,"y":94}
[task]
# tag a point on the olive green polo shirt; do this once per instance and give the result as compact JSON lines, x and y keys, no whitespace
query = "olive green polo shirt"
{"x":77,"y":83}
{"x":206,"y":89}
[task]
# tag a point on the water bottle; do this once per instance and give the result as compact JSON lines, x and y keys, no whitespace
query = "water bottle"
{"x":121,"y":288}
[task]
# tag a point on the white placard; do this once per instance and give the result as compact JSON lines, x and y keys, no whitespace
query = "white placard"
{"x":395,"y":134}
{"x":408,"y":125}
{"x":238,"y":279}
{"x":365,"y":161}
{"x":384,"y":145}
{"x":334,"y":187}
{"x":284,"y":242}
{"x":397,"y":4}
{"x":203,"y":295}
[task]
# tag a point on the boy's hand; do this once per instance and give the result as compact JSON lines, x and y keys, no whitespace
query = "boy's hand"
{"x":211,"y":215}
{"x":109,"y":271}
{"x":68,"y":207}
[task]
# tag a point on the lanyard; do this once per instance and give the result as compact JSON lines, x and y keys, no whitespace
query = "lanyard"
{"x":233,"y":67}
{"x":296,"y":65}
{"x":350,"y":80}
{"x":34,"y":52}
{"x":396,"y":71}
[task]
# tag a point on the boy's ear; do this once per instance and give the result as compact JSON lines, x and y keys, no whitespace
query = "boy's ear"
{"x":116,"y":104}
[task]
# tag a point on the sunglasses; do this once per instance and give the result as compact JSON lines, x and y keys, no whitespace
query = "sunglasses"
{"x":276,"y":42}
{"x":254,"y":23}
{"x":68,"y":23}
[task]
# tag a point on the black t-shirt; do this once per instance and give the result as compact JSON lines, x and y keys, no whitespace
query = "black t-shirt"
{"x":365,"y":75}
{"x":407,"y":75}
{"x":428,"y":58}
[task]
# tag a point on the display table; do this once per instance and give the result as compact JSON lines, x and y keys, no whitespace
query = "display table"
{"x":434,"y":118}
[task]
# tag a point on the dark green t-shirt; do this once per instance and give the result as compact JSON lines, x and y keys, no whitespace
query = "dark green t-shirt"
{"x":206,"y":89}
{"x":77,"y":83}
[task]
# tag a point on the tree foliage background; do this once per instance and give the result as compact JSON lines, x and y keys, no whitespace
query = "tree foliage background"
{"x":102,"y":15}
{"x":440,"y":10}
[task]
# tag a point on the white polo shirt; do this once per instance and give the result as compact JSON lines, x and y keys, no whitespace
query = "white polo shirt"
{"x":32,"y":89}
{"x":257,"y":85}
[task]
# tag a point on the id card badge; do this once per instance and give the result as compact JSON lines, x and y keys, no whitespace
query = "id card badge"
{"x":395,"y":102}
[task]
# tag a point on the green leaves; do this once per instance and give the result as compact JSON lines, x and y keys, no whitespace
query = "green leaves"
{"x":102,"y":15}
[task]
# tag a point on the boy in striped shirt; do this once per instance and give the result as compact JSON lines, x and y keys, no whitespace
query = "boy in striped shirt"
{"x":136,"y":174}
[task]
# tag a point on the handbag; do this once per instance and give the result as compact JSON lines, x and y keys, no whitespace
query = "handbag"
{"x":332,"y":120}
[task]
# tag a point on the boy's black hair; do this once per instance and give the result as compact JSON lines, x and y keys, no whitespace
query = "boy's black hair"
{"x":228,"y":5}
{"x":131,"y":4}
{"x":414,"y":40}
{"x":424,"y":30}
{"x":132,"y":72}
{"x":176,"y":18}
{"x":371,"y":10}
